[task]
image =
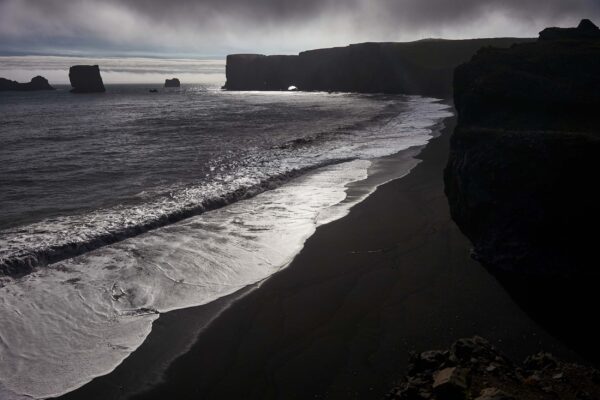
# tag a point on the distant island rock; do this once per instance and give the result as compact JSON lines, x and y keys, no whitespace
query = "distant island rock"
{"x":36,"y":83}
{"x":86,"y":79}
{"x":423,"y":67}
{"x":173,"y":83}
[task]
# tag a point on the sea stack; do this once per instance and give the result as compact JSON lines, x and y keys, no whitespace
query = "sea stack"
{"x":86,"y":79}
{"x":172,"y":82}
{"x":37,"y":83}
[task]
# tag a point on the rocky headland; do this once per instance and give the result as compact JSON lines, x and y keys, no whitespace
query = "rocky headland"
{"x":522,"y":173}
{"x":36,"y":83}
{"x":86,"y":79}
{"x":474,"y":369}
{"x":423,"y":67}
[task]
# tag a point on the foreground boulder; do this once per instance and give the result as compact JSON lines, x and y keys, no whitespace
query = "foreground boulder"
{"x":86,"y":79}
{"x":36,"y":83}
{"x":522,"y":174}
{"x":172,"y":83}
{"x":474,"y":369}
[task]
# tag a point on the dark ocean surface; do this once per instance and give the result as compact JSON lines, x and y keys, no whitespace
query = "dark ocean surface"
{"x":115,"y":207}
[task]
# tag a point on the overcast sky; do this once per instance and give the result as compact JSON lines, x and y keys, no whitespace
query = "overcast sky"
{"x":218,"y":27}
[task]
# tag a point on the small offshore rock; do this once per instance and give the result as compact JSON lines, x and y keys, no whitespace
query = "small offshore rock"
{"x":172,"y":83}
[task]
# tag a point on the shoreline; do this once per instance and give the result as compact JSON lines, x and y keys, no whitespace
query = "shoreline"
{"x":363,"y":291}
{"x":206,"y":257}
{"x":88,"y":231}
{"x":381,"y":171}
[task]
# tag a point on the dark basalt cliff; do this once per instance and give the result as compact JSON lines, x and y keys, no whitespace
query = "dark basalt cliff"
{"x":526,"y":153}
{"x":423,"y":67}
{"x":172,"y":83}
{"x":37,"y":83}
{"x":523,"y":171}
{"x":86,"y":79}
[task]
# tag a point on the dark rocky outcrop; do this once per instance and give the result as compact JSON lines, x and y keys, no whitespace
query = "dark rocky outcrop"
{"x":474,"y":369}
{"x":172,"y":83}
{"x":523,"y":169}
{"x":525,"y":154}
{"x":36,"y":83}
{"x":86,"y":79}
{"x":586,"y":30}
{"x":422,"y":67}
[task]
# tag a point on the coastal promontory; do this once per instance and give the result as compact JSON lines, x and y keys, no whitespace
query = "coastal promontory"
{"x":86,"y":79}
{"x":423,"y":67}
{"x":36,"y":83}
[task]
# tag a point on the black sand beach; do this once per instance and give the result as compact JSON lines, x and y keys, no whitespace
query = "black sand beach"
{"x":393,"y":276}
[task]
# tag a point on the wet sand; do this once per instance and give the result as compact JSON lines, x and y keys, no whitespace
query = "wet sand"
{"x":391,"y":277}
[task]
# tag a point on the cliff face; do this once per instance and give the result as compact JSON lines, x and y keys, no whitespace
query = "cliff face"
{"x":526,"y":152}
{"x":36,"y":83}
{"x":423,"y":67}
{"x":522,"y":175}
{"x":86,"y":79}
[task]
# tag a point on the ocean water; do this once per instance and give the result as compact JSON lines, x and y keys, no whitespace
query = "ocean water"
{"x":117,"y":207}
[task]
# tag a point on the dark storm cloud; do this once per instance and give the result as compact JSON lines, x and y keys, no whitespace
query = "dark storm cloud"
{"x":438,"y":11}
{"x":216,"y":26}
{"x":416,"y":11}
